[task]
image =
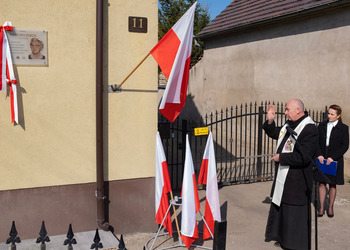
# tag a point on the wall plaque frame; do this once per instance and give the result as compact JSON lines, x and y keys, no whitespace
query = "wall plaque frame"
{"x":28,"y":47}
{"x":138,"y":24}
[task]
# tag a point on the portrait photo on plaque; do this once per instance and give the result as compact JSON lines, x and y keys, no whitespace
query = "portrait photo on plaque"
{"x":28,"y":47}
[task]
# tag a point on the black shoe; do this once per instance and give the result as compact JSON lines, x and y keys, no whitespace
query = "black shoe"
{"x":330,"y":215}
{"x":320,"y":214}
{"x":277,"y":244}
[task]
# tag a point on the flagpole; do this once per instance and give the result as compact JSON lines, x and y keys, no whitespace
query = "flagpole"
{"x":211,"y":234}
{"x":177,"y":224}
{"x":115,"y":87}
{"x":160,"y":226}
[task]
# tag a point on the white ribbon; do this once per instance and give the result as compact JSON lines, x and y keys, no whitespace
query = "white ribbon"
{"x":7,"y":73}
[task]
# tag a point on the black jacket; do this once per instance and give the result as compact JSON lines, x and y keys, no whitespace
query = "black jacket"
{"x":298,"y":185}
{"x":338,"y":142}
{"x":338,"y":145}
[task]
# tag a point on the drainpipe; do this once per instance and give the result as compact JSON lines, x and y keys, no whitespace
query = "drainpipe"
{"x":100,"y":189}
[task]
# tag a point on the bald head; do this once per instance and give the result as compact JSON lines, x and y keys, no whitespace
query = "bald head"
{"x":294,"y":109}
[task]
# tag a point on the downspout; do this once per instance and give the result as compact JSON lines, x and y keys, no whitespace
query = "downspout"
{"x":100,"y":189}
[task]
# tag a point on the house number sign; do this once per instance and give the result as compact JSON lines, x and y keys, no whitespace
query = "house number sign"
{"x":137,"y":24}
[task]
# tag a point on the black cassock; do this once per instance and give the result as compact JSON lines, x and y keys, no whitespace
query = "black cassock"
{"x":290,"y":223}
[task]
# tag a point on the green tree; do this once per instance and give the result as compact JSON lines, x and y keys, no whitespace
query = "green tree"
{"x":170,"y":12}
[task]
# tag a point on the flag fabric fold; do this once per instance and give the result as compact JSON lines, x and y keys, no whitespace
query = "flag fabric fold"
{"x":173,"y":55}
{"x":162,"y":187}
{"x":6,"y":70}
{"x":208,"y":176}
{"x":190,"y":201}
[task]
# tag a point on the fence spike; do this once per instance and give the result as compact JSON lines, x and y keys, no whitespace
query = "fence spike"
{"x":70,"y":238}
{"x":43,"y":235}
{"x":97,"y":244}
{"x":13,"y":235}
{"x":121,"y":245}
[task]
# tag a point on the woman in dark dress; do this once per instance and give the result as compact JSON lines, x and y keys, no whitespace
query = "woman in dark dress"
{"x":334,"y":142}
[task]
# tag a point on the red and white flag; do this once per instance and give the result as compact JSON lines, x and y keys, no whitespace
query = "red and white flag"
{"x":208,"y":176}
{"x":173,"y":55}
{"x":162,"y":187}
{"x":6,"y":70}
{"x":190,"y":201}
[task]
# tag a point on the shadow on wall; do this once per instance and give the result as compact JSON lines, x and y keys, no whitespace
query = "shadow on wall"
{"x":174,"y":131}
{"x":174,"y":135}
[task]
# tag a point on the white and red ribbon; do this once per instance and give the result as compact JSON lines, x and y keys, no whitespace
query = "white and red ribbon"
{"x":6,"y":70}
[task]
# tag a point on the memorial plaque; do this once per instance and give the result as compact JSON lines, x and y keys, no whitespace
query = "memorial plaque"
{"x":28,"y":47}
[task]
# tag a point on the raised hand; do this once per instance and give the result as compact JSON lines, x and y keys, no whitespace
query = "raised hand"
{"x":271,"y":113}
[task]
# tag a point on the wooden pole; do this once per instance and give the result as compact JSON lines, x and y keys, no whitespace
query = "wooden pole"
{"x":138,"y":65}
{"x":177,"y":224}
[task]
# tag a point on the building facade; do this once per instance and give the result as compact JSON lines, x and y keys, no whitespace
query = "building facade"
{"x":68,"y":138}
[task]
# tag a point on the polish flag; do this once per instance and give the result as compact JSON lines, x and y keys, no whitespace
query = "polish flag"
{"x":162,"y":187}
{"x":208,"y":176}
{"x":173,"y":55}
{"x":190,"y":201}
{"x":6,"y":70}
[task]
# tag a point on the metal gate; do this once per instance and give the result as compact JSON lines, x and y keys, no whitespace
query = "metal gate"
{"x":242,"y":150}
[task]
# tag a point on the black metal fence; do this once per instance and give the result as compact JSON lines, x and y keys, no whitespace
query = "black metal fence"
{"x":43,"y":239}
{"x":242,"y":150}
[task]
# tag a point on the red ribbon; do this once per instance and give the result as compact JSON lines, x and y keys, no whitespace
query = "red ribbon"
{"x":11,"y":81}
{"x":8,"y":28}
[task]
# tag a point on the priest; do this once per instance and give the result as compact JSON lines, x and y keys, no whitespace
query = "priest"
{"x":289,"y":220}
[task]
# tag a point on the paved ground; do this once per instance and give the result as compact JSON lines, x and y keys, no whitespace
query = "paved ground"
{"x":247,"y":210}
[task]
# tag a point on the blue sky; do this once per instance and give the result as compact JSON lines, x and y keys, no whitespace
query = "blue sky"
{"x":215,"y":6}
